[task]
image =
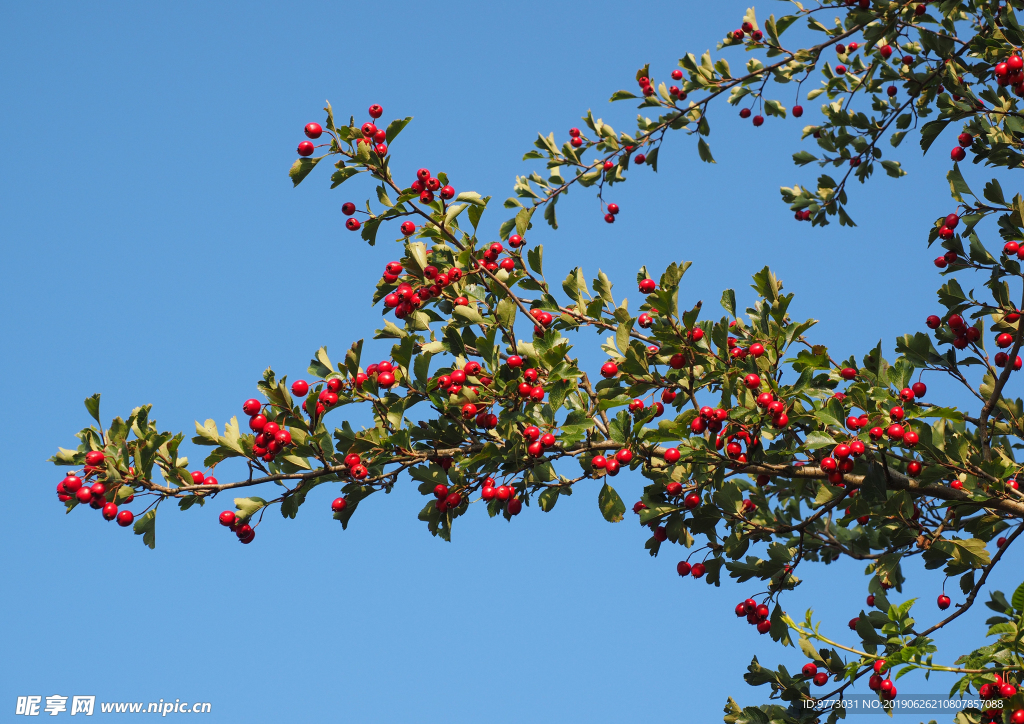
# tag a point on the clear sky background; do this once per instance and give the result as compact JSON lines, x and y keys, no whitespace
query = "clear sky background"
{"x":154,"y":251}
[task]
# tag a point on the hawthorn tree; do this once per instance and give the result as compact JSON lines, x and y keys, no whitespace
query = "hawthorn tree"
{"x":763,"y":453}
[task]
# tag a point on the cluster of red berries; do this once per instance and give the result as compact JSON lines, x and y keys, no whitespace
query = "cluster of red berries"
{"x":200,"y":478}
{"x":756,"y":615}
{"x":271,"y":438}
{"x":536,"y":443}
{"x":1001,"y":689}
{"x":946,"y":231}
{"x":490,"y":258}
{"x":446,"y":500}
{"x":239,"y":526}
{"x":810,"y":672}
{"x":964,"y":140}
{"x":452,"y":382}
{"x":314,"y":131}
{"x":684,"y":569}
{"x":371,"y":135}
{"x":326,"y":399}
{"x":381,"y":373}
{"x":356,"y":469}
{"x":885,"y":688}
{"x":950,"y":257}
{"x":404,"y":300}
{"x":675,"y":91}
{"x":502,"y":493}
{"x":1010,"y":72}
{"x":613,"y":465}
{"x":646,"y":87}
{"x":744,"y":30}
{"x":965,"y":335}
{"x":94,"y":495}
{"x":528,"y":389}
{"x":612,"y":212}
{"x":425,"y":185}
{"x":351,"y":223}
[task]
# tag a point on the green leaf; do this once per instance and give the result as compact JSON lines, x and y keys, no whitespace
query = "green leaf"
{"x":470,"y":313}
{"x":802,"y":158}
{"x":729,"y":301}
{"x":248,"y":506}
{"x":994,"y":193}
{"x":506,"y":312}
{"x":621,"y":96}
{"x":146,"y":527}
{"x":523,"y":221}
{"x":547,"y":499}
{"x":92,"y":404}
{"x":301,"y":168}
{"x":957,"y":185}
{"x":535,"y":258}
{"x":612,"y":507}
{"x":816,"y":440}
{"x":704,"y":151}
{"x":395,"y":127}
{"x":1018,"y":599}
{"x":930,"y":131}
{"x":344,"y":174}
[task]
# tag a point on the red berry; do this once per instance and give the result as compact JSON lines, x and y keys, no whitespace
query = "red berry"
{"x":919,"y":389}
{"x":943,"y":602}
{"x":339,"y":504}
{"x":376,"y":111}
{"x":744,"y":113}
{"x":647,"y":286}
{"x":408,"y":228}
{"x":672,"y":455}
{"x":110,"y":511}
{"x":848,"y":373}
{"x":515,"y":506}
{"x":125,"y":518}
{"x":227,"y":518}
{"x":758,"y":120}
{"x":958,"y":154}
{"x":313,"y":130}
{"x":798,"y":111}
{"x":305,"y":148}
{"x":683,"y":568}
{"x":609,"y":369}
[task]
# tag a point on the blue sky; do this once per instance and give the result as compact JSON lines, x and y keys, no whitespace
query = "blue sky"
{"x":155,"y":251}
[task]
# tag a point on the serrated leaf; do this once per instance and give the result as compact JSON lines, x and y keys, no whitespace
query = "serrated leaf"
{"x":611,"y":505}
{"x":395,"y":127}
